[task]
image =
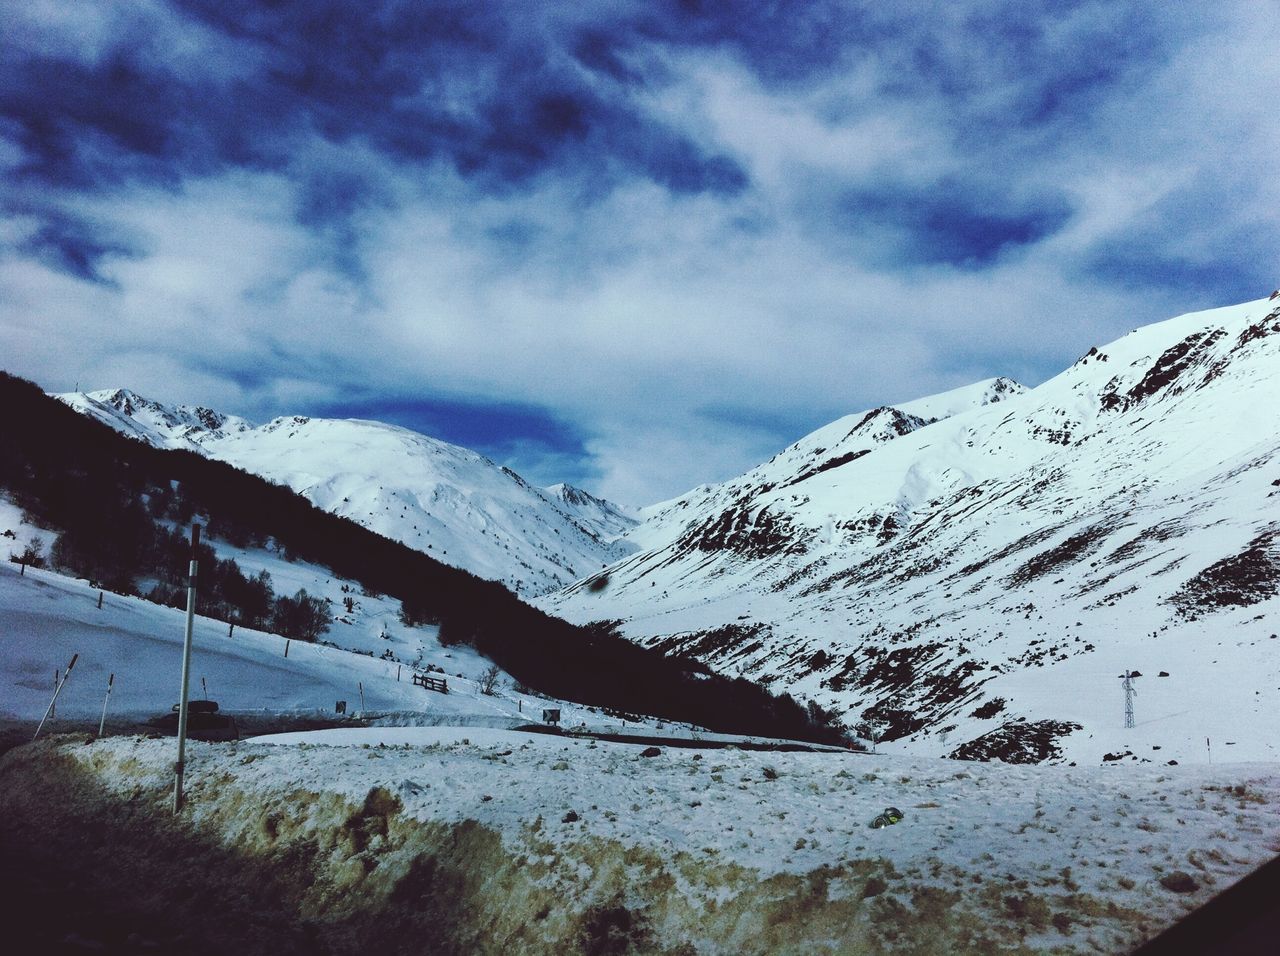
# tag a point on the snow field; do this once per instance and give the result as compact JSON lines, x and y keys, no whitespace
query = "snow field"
{"x":721,"y":851}
{"x":45,"y":618}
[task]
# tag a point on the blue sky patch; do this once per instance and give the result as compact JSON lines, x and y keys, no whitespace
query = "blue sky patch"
{"x":616,"y":225}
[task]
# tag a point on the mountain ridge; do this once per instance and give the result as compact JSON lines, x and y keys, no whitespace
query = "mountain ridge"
{"x":443,"y":499}
{"x":941,"y":580}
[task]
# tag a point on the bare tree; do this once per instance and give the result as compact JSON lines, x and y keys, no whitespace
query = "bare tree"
{"x":489,"y":680}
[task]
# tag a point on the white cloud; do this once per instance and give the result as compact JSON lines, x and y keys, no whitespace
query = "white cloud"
{"x":632,"y":312}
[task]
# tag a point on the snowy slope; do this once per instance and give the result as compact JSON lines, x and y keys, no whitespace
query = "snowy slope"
{"x":442,"y":499}
{"x":45,"y":618}
{"x":978,"y":584}
{"x":505,"y":842}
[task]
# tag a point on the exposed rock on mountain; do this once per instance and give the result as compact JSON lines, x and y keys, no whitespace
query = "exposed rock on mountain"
{"x":910,"y":566}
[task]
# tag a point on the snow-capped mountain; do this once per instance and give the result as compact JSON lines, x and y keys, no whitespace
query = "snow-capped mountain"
{"x":608,"y":520}
{"x":978,"y":583}
{"x":164,"y":426}
{"x":448,"y":501}
{"x":831,"y":446}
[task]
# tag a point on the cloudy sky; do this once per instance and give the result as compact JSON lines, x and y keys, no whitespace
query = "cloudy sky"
{"x":636,"y":246}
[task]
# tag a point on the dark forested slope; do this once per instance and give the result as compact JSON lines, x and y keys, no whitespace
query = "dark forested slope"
{"x":114,"y":500}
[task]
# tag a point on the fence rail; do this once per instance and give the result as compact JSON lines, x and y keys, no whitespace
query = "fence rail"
{"x":438,"y":684}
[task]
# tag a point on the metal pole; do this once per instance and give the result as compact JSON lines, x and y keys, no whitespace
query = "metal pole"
{"x":1129,"y":692}
{"x":185,"y":692}
{"x":103,"y":722}
{"x":56,"y":691}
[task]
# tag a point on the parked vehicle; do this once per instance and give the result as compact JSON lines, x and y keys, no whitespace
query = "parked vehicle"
{"x":203,"y":722}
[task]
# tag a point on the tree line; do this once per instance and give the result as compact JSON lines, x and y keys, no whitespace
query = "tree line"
{"x":114,"y":500}
{"x":121,"y":535}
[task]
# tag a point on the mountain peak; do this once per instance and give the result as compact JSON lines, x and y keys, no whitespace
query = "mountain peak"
{"x":605,"y":518}
{"x":445,"y":500}
{"x":956,"y":401}
{"x":573,"y":495}
{"x":157,"y":424}
{"x":959,"y":573}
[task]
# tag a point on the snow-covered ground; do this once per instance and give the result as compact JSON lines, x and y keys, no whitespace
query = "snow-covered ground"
{"x":46,"y":617}
{"x":719,"y":851}
{"x":550,"y":844}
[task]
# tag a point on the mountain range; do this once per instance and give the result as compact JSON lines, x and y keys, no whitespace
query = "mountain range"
{"x":973,"y":574}
{"x":970,"y":574}
{"x":450,"y":502}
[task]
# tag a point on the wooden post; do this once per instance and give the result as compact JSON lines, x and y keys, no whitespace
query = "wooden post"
{"x":56,"y":691}
{"x":286,"y":647}
{"x":231,"y":626}
{"x":22,"y":566}
{"x":397,"y":673}
{"x":103,"y":722}
{"x":179,"y":768}
{"x":99,"y":600}
{"x":204,"y":688}
{"x":360,"y":684}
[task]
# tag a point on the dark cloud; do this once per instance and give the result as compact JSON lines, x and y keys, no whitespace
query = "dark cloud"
{"x":945,"y":223}
{"x":482,"y":86}
{"x":74,"y":247}
{"x":1210,"y":241}
{"x":83,"y":125}
{"x":653,"y":237}
{"x":1197,"y":279}
{"x":604,"y":52}
{"x":500,"y":430}
{"x":1200,"y":284}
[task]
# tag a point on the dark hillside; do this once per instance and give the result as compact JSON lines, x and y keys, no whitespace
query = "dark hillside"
{"x":106,"y":492}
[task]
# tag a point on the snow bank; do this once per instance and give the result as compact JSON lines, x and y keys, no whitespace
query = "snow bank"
{"x":497,"y":841}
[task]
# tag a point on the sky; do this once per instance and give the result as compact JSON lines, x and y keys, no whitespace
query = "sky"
{"x":636,"y":246}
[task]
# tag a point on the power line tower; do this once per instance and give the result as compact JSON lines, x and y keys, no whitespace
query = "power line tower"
{"x":1129,"y":693}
